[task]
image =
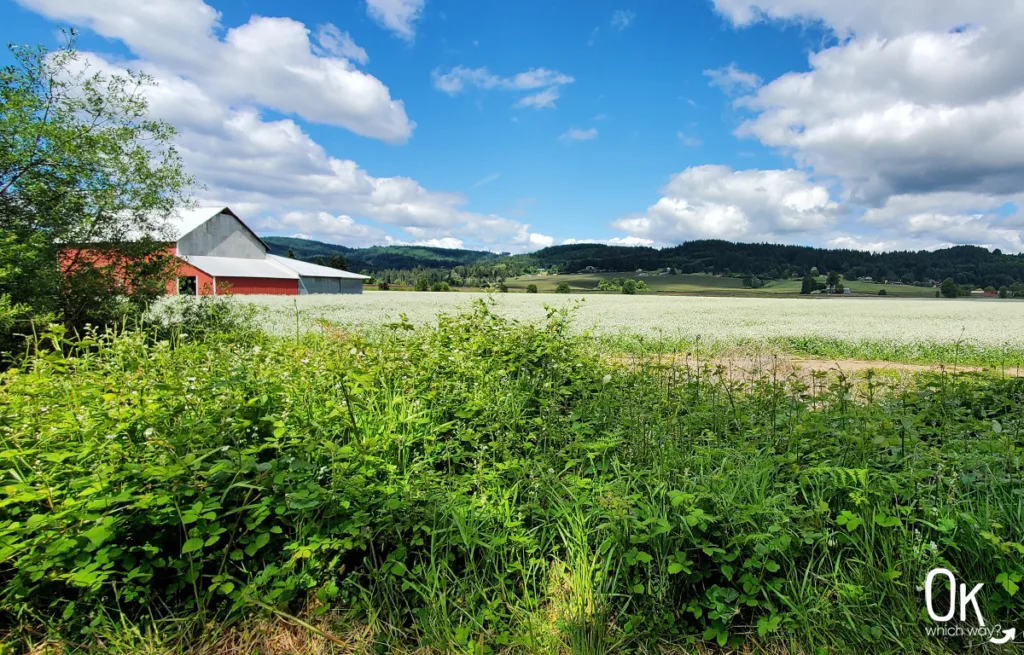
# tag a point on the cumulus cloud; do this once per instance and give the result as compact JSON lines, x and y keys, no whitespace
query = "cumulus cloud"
{"x":399,"y":16}
{"x":878,"y":17}
{"x":339,"y":43}
{"x":575,"y":134}
{"x":614,"y":241}
{"x":459,"y":78}
{"x":283,"y":181}
{"x":914,"y":103}
{"x":715,"y":202}
{"x":270,"y":62}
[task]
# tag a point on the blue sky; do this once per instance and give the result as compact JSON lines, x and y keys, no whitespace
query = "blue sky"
{"x":396,"y":121}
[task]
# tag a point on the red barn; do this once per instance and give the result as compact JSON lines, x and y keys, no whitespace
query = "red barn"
{"x":217,"y":253}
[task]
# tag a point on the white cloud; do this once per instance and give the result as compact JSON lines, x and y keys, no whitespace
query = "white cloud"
{"x":283,"y":181}
{"x":731,"y":79}
{"x":323,"y":226}
{"x":458,"y":78}
{"x":487,"y":179}
{"x":687,"y":140}
{"x":543,"y":100}
{"x":340,"y":43}
{"x":615,"y":241}
{"x":269,"y":62}
{"x":918,"y":101}
{"x":875,"y":17}
{"x":576,"y":134}
{"x":593,"y":37}
{"x":715,"y":202}
{"x":950,"y":218}
{"x":446,"y":242}
{"x":622,"y":19}
{"x":399,"y":16}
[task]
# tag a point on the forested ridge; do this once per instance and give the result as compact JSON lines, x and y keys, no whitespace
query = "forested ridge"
{"x":967,"y":265}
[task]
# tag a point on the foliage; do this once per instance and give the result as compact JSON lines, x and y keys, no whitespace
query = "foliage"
{"x":531,"y":288}
{"x":82,"y":164}
{"x":882,"y":292}
{"x":563,"y":287}
{"x":807,"y":285}
{"x":383,"y":286}
{"x":439,"y":286}
{"x":624,"y":285}
{"x":203,"y":318}
{"x":404,"y":264}
{"x":486,"y":485}
{"x":422,"y":284}
{"x":949,"y":288}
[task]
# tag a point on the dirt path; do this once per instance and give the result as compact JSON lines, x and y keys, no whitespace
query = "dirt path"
{"x":745,"y":366}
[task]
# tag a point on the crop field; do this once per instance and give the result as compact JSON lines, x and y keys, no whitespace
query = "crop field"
{"x":893,"y":329}
{"x":707,"y":284}
{"x":484,"y":486}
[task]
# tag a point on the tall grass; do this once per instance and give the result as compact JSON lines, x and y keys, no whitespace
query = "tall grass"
{"x":487,"y":486}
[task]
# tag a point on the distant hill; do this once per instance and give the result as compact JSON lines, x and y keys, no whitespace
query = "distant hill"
{"x":967,"y":265}
{"x":379,"y":258}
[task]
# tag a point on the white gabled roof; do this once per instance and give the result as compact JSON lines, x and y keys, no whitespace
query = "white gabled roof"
{"x":240,"y":267}
{"x":182,"y":221}
{"x":306,"y":269}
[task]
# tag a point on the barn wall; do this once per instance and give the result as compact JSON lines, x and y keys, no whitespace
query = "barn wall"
{"x":329,"y":285}
{"x":222,"y":236}
{"x":244,"y":286}
{"x":204,"y":283}
{"x":75,"y":257}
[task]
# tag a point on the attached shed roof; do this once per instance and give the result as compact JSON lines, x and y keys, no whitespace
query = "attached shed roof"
{"x":182,"y":221}
{"x":306,"y":269}
{"x":239,"y":267}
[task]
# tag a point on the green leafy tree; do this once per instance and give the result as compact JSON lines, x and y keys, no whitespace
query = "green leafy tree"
{"x":531,"y":288}
{"x":949,"y":288}
{"x":807,"y":285}
{"x":337,"y":261}
{"x":814,"y":271}
{"x":629,"y":287}
{"x":882,"y":292}
{"x":1004,"y":291}
{"x":82,"y":164}
{"x":422,"y":284}
{"x":563,"y":287}
{"x":290,"y":254}
{"x":833,"y":279}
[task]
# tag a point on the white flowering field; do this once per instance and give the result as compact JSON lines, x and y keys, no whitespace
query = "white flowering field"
{"x":981,"y":323}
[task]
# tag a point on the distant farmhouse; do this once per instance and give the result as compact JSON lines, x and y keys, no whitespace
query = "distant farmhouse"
{"x":217,"y":253}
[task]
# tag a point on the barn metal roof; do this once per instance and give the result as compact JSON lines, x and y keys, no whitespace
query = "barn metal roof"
{"x":240,"y":267}
{"x":305,"y":269}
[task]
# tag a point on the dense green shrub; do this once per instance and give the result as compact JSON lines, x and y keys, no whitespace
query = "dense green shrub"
{"x":531,"y":288}
{"x":563,"y":287}
{"x":486,"y":482}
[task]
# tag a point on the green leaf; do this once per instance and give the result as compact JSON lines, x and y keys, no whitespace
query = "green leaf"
{"x":261,"y":540}
{"x":97,"y":535}
{"x":1007,"y":582}
{"x":675,"y":567}
{"x":193,"y":544}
